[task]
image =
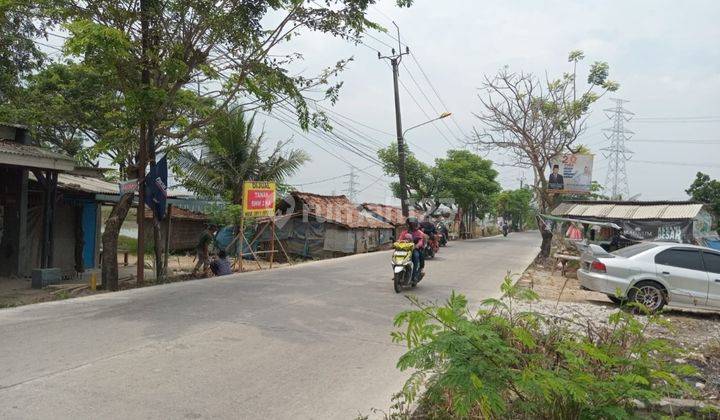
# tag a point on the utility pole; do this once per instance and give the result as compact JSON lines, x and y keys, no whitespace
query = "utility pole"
{"x":395,"y":59}
{"x":351,"y":190}
{"x":617,"y":154}
{"x":143,"y":152}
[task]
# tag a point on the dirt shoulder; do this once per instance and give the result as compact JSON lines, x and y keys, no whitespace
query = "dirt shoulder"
{"x":696,"y":331}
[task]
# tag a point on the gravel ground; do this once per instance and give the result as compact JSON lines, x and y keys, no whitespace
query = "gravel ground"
{"x":697,"y":331}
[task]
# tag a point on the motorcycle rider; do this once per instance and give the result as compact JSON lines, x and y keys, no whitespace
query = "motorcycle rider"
{"x":428,"y":227}
{"x":413,"y":232}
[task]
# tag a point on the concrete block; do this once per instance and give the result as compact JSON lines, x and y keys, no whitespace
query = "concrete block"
{"x":42,"y":277}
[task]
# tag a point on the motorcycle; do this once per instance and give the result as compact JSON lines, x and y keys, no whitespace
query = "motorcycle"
{"x":442,"y":233}
{"x":402,"y":265}
{"x":505,"y":230}
{"x":432,"y":246}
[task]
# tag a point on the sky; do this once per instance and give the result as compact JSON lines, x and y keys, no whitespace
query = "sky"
{"x":664,"y":54}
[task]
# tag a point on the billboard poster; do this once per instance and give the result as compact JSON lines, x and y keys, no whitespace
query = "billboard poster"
{"x":571,"y":174}
{"x":258,"y":198}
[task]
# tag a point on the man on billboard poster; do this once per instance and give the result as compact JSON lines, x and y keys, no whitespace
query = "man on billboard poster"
{"x":556,"y":181}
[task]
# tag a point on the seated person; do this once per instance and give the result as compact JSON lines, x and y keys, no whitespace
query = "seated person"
{"x":220,"y":266}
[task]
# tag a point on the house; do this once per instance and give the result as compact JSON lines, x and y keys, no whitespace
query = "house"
{"x":186,"y":226}
{"x":390,"y":214}
{"x":322,"y":226}
{"x":678,"y":221}
{"x":33,"y":222}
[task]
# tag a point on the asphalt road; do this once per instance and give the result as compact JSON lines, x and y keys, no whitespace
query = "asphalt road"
{"x":309,"y":341}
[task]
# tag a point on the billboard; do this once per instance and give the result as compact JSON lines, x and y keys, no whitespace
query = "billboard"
{"x":571,"y":174}
{"x":258,"y":198}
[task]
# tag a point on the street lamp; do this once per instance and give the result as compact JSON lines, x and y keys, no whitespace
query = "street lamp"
{"x":401,"y":155}
{"x":443,"y":115}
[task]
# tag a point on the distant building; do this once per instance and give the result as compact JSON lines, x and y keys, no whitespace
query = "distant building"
{"x":322,"y":226}
{"x":390,"y":214}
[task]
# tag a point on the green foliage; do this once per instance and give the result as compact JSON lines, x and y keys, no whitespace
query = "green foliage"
{"x":469,"y":179}
{"x":706,"y":190}
{"x":423,"y":181}
{"x":501,"y":362}
{"x":20,"y":22}
{"x":231,"y":154}
{"x":515,"y":205}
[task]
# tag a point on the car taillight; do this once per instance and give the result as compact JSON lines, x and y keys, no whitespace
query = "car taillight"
{"x":598,"y":266}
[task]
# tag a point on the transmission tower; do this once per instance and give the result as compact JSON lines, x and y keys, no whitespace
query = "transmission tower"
{"x":351,"y":191}
{"x":617,"y":154}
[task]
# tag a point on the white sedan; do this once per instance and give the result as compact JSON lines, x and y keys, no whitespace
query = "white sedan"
{"x":655,"y":274}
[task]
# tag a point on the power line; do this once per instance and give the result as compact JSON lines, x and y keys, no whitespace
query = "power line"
{"x":670,"y":163}
{"x":422,"y":92}
{"x":425,"y":113}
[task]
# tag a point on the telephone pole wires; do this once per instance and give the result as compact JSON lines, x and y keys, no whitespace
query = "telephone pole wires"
{"x":617,"y":154}
{"x":395,"y":59}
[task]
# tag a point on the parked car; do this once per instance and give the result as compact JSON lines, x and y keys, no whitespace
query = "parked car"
{"x":654,"y":274}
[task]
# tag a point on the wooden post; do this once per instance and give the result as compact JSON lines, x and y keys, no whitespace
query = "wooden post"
{"x":242,"y":241}
{"x":272,"y":241}
{"x":167,"y":240}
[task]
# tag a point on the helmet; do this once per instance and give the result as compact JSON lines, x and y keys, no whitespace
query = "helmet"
{"x":411,"y":220}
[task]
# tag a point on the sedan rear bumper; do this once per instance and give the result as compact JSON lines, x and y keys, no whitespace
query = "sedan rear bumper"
{"x":603,"y":283}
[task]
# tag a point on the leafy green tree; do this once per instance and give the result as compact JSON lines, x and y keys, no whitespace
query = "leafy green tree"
{"x":21,"y":21}
{"x":424,"y":186}
{"x":514,"y":205}
{"x":534,"y":119}
{"x":158,"y":52}
{"x":231,"y":153}
{"x":470,"y":180}
{"x":706,"y":190}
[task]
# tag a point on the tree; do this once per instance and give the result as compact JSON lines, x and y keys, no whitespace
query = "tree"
{"x":514,"y":205}
{"x":424,"y":187}
{"x":231,"y":153}
{"x":158,"y":52}
{"x":470,"y":180}
{"x":706,"y":190}
{"x":534,"y":120}
{"x":21,"y":21}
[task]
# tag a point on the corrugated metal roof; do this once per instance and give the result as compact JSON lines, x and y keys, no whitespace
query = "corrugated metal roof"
{"x":630,"y":210}
{"x":13,"y":153}
{"x":83,"y":184}
{"x":687,"y":211}
{"x":337,"y":209}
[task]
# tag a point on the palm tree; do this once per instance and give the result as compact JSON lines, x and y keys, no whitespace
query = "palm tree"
{"x":231,"y":154}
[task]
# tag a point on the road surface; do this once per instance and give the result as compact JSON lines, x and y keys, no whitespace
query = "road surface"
{"x":309,"y":341}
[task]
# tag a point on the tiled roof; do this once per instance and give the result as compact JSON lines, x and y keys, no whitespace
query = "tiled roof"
{"x":13,"y":153}
{"x":392,"y":214}
{"x":181,"y":214}
{"x":336,"y":209}
{"x":635,"y":210}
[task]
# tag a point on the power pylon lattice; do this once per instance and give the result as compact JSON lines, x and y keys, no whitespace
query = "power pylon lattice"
{"x":351,"y":191}
{"x":617,"y":154}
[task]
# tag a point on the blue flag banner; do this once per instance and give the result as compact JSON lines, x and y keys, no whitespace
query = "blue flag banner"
{"x":156,"y":188}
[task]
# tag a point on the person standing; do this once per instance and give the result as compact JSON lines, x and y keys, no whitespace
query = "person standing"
{"x":202,"y":251}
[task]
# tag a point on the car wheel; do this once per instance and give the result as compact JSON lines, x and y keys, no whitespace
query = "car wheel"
{"x":648,"y":293}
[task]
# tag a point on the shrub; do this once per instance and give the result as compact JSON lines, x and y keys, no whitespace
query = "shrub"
{"x":501,"y":362}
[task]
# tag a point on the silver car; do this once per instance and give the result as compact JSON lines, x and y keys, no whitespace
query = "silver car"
{"x":655,"y":274}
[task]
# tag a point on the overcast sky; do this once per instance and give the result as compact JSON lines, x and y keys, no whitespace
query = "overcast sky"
{"x":664,"y":54}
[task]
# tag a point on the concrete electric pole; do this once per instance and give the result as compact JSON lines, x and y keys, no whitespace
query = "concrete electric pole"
{"x":395,"y":60}
{"x":617,"y":154}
